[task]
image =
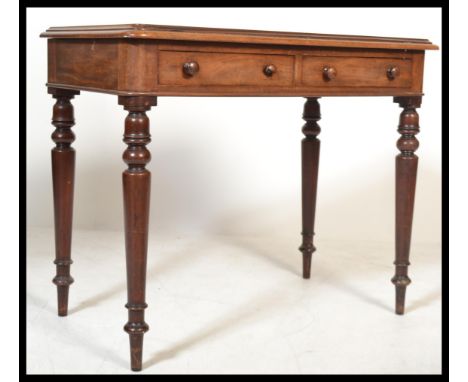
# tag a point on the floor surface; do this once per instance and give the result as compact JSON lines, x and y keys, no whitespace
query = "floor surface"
{"x":235,"y":304}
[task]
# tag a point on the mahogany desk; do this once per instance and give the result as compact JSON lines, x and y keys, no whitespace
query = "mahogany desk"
{"x":138,"y":63}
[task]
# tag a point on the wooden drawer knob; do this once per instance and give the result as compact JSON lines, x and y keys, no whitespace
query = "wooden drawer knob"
{"x":191,"y":68}
{"x":393,"y":72}
{"x":329,"y":72}
{"x":269,"y":70}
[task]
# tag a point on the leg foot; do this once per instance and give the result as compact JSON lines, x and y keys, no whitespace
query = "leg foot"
{"x":400,"y":291}
{"x":306,"y":264}
{"x":62,"y":299}
{"x":136,"y":345}
{"x":136,"y":349}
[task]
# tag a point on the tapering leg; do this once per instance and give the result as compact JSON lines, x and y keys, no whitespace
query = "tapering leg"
{"x":310,"y":164}
{"x":63,"y":174}
{"x":136,"y":190}
{"x":406,"y":169}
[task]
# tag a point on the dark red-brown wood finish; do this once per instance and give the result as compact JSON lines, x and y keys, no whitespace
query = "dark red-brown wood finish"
{"x":136,"y":181}
{"x":310,"y":165}
{"x":406,"y":166}
{"x":140,"y":62}
{"x":63,"y":178}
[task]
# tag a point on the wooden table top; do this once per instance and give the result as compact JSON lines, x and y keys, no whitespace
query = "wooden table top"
{"x":178,"y":33}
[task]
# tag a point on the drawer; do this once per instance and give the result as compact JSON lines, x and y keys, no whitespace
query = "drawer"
{"x":206,"y":68}
{"x":356,"y":71}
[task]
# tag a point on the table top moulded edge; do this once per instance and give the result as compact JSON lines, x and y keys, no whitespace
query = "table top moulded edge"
{"x":178,"y":33}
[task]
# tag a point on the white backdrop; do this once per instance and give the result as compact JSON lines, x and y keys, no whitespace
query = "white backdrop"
{"x":232,"y":165}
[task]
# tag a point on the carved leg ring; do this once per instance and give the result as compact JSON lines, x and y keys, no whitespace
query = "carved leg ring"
{"x":63,"y":174}
{"x":310,"y":163}
{"x":406,"y":170}
{"x":136,"y":190}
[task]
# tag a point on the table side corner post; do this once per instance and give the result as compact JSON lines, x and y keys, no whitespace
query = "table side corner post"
{"x":310,"y":152}
{"x":63,"y":177}
{"x":136,"y":180}
{"x":406,"y":165}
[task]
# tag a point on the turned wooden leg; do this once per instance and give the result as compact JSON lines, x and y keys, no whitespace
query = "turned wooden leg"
{"x":310,"y":163}
{"x":136,"y":191}
{"x":406,"y":169}
{"x":63,"y":174}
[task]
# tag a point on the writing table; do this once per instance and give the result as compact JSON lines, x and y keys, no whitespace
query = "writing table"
{"x":139,"y":62}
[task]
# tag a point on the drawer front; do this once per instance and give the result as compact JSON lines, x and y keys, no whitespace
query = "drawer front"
{"x":356,"y":72}
{"x":235,"y":69}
